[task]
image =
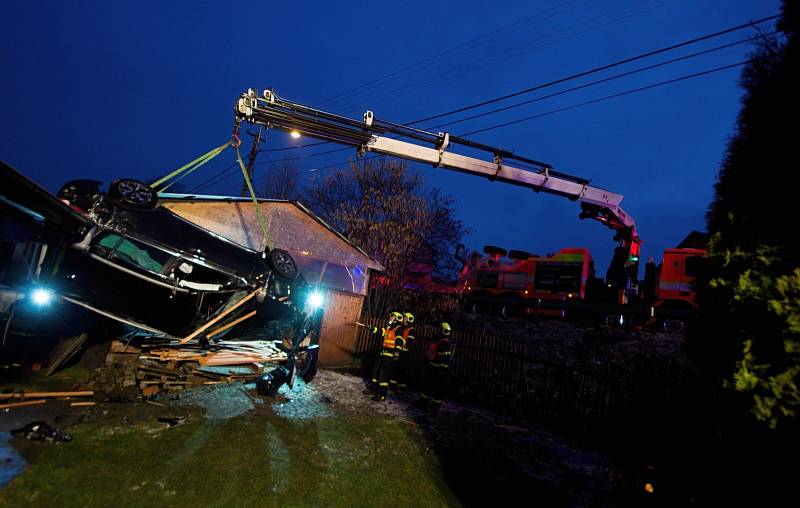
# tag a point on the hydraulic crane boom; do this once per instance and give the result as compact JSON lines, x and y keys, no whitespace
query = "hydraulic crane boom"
{"x":382,"y":137}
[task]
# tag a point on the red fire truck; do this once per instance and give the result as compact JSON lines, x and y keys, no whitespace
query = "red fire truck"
{"x":524,"y":280}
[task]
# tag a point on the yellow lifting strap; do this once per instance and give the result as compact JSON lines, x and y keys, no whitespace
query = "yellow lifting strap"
{"x":190,"y":167}
{"x":261,"y":220}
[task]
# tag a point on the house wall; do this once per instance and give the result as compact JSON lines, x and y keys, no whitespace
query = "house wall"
{"x":290,"y":228}
{"x":322,"y":256}
{"x":338,"y":335}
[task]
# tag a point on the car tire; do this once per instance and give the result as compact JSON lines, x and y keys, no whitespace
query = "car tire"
{"x":133,"y":193}
{"x":306,"y":365}
{"x":282,"y":263}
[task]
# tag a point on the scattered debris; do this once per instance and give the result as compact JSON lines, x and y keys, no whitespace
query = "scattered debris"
{"x":65,"y":350}
{"x":41,"y":431}
{"x":269,"y":383}
{"x":45,"y":395}
{"x":81,"y":404}
{"x":25,"y":403}
{"x":172,"y":421}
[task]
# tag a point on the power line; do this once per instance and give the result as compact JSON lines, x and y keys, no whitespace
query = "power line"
{"x":581,"y":104}
{"x":595,"y":70}
{"x":572,"y":77}
{"x":436,"y":58}
{"x":549,"y":84}
{"x":562,"y":92}
{"x":599,"y":81}
{"x":471,"y":66}
{"x":609,"y":97}
{"x":213,"y":179}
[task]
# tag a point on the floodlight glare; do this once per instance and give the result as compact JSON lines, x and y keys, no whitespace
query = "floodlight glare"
{"x":42,"y":297}
{"x":315,"y":299}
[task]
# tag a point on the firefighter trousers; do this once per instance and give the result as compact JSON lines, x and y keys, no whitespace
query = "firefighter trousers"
{"x":381,"y":375}
{"x":434,"y":388}
{"x":400,"y":373}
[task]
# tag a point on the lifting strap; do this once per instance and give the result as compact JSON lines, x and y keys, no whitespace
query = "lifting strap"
{"x":188,"y":168}
{"x":261,"y":220}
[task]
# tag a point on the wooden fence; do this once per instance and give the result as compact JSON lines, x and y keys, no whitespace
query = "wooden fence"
{"x":499,"y":372}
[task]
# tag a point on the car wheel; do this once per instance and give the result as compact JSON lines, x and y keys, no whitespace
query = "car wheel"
{"x":283,"y":263}
{"x":306,"y":364}
{"x":133,"y":193}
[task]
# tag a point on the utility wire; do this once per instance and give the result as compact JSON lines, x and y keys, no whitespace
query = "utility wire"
{"x":575,"y":106}
{"x":437,"y":57}
{"x":471,"y":66}
{"x":537,"y":99}
{"x":573,"y":76}
{"x":546,"y":85}
{"x":599,"y":81}
{"x":609,"y":97}
{"x":595,"y":70}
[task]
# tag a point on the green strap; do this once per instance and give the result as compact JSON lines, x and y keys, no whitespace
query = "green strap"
{"x":191,"y":166}
{"x":259,"y":213}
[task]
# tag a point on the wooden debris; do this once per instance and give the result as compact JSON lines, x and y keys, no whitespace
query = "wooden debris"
{"x":39,"y":395}
{"x":65,"y":350}
{"x":150,"y":390}
{"x":221,"y":315}
{"x":117,"y":346}
{"x":81,"y":404}
{"x":169,"y":366}
{"x":25,"y":403}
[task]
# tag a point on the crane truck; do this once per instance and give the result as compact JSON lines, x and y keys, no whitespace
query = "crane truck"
{"x":382,"y":137}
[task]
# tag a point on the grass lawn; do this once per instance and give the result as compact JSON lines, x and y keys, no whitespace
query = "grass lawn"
{"x":250,"y":460}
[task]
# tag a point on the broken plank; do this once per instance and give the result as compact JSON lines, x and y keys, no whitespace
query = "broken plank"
{"x":39,"y":395}
{"x":20,"y":404}
{"x":219,"y":317}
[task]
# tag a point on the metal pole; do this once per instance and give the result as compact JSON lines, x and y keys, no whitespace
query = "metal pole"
{"x":251,"y":159}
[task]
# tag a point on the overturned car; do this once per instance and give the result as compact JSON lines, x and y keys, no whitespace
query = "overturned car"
{"x":122,"y":256}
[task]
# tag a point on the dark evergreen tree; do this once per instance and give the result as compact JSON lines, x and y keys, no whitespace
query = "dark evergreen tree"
{"x":749,"y":333}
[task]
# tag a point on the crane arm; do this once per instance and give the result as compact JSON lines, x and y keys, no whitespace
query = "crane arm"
{"x":382,"y":137}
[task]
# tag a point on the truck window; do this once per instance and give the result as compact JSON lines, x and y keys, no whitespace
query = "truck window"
{"x":513,"y":280}
{"x":558,"y":277}
{"x":693,"y":265}
{"x":487,"y":279}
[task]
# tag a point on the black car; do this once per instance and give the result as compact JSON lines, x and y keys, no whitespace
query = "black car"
{"x":122,"y":256}
{"x":142,"y":264}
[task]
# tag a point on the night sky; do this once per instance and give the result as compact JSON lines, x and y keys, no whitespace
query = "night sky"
{"x":111,"y":89}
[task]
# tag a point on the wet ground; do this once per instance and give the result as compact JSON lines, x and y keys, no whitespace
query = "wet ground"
{"x":481,"y":456}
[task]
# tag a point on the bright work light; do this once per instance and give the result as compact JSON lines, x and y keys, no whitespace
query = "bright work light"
{"x":41,"y":296}
{"x":294,"y":134}
{"x":315,"y":299}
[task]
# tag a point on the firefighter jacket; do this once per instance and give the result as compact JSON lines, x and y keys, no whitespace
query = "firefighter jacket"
{"x":407,"y":333}
{"x":439,"y":354}
{"x":392,"y":342}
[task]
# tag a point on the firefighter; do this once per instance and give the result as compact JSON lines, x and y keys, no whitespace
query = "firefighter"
{"x":400,"y":373}
{"x":436,"y":371}
{"x":386,"y":358}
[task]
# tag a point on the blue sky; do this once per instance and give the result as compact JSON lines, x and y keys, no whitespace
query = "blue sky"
{"x":111,"y":89}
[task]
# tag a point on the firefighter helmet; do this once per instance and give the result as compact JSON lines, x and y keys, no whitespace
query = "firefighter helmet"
{"x":396,"y":315}
{"x":409,"y":317}
{"x":445,"y":329}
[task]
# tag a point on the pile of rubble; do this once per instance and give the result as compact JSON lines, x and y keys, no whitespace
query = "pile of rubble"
{"x":161,"y":366}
